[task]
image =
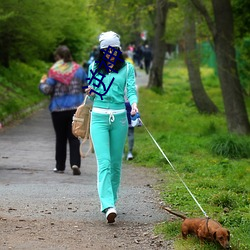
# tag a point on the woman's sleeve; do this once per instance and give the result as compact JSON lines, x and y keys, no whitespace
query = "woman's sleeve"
{"x":90,"y":78}
{"x":82,"y":75}
{"x":131,"y":85}
{"x":47,"y":87}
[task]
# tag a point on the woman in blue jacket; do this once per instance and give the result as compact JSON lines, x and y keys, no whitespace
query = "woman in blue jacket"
{"x":108,"y":78}
{"x":64,"y":83}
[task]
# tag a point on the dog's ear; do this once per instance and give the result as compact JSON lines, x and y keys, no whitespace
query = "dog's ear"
{"x":214,"y":235}
{"x":228,"y":237}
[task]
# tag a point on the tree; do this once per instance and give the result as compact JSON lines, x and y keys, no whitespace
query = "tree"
{"x":159,"y":47}
{"x":132,"y":17}
{"x":28,"y":33}
{"x":223,"y":38}
{"x":23,"y":33}
{"x":201,"y":99}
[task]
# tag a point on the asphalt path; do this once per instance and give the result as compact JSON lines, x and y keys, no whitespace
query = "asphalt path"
{"x":31,"y":190}
{"x":26,"y":164}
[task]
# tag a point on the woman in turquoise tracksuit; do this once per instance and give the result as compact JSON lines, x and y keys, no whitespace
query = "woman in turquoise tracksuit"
{"x":108,"y":77}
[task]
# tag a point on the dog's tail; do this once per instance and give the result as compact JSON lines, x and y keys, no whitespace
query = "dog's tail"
{"x":175,"y":213}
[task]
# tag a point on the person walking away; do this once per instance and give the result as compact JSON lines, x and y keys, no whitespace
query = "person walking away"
{"x":147,"y":58}
{"x":64,"y":84}
{"x":108,"y":78}
{"x":131,"y":129}
{"x":130,"y":133}
{"x":139,"y":56}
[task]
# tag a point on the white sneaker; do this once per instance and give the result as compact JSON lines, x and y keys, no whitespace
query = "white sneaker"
{"x":111,"y":214}
{"x":130,"y":156}
{"x":58,"y":171}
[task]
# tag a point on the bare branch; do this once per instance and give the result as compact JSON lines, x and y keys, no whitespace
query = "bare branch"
{"x":202,"y":9}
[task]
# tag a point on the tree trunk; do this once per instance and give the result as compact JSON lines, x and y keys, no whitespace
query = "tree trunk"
{"x":235,"y":109}
{"x":201,"y":99}
{"x":223,"y":38}
{"x":159,"y":47}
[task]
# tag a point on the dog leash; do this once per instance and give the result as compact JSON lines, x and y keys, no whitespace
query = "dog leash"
{"x":174,"y":169}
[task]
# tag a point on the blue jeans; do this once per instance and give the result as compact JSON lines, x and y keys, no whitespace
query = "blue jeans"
{"x":108,"y":139}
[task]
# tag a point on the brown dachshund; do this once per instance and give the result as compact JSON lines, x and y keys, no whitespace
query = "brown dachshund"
{"x":204,"y":229}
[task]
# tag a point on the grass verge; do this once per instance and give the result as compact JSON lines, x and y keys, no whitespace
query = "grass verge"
{"x":214,"y":164}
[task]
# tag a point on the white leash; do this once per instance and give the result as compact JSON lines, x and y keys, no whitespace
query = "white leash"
{"x":174,"y":169}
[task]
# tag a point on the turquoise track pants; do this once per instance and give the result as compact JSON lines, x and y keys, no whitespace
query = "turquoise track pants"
{"x":108,"y":136}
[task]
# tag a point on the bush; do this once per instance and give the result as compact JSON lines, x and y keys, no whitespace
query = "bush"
{"x":231,"y":146}
{"x":224,"y":200}
{"x":19,"y":88}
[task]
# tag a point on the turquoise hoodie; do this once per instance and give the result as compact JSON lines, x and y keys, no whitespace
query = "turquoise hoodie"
{"x":110,"y":88}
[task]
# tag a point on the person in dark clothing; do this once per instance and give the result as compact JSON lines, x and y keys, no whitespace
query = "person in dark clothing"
{"x":139,"y":56}
{"x":147,"y":58}
{"x":130,"y":133}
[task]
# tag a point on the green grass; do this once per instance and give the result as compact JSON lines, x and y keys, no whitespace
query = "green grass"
{"x":214,"y":164}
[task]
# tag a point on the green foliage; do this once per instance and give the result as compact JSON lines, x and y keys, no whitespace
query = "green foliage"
{"x":19,"y":87}
{"x":219,"y":183}
{"x":29,"y":34}
{"x":176,"y":18}
{"x":241,"y":17}
{"x":243,"y":59}
{"x":174,"y":25}
{"x":134,"y":16}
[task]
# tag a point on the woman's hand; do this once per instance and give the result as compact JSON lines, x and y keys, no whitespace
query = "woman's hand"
{"x":134,"y":109}
{"x":87,"y":91}
{"x":43,"y":79}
